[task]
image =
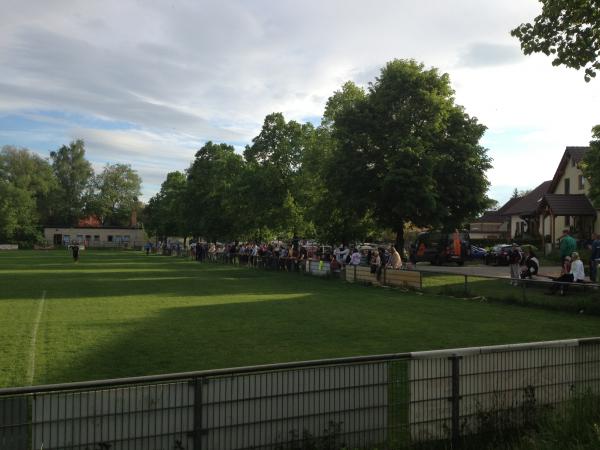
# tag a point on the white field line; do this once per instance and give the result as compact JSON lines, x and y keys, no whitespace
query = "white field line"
{"x":36,"y":325}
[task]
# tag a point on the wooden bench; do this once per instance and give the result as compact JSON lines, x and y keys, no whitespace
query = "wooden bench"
{"x":388,"y":277}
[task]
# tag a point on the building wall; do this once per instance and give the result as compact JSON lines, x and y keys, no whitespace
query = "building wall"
{"x":97,"y":237}
{"x":572,"y":172}
{"x":515,"y":224}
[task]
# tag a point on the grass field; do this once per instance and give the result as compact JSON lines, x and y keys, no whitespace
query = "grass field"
{"x":123,"y":314}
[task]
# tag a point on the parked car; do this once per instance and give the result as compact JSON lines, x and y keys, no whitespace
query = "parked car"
{"x":498,"y":255}
{"x":439,"y":247}
{"x":478,"y":252}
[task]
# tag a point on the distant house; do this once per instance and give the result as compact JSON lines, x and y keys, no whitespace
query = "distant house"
{"x":491,"y":225}
{"x":566,"y":204}
{"x":522,"y":215}
{"x":124,"y":237}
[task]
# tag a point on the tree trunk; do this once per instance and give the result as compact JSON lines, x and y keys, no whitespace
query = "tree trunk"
{"x":400,"y":238}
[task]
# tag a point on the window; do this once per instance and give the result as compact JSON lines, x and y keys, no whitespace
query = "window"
{"x":126,"y":238}
{"x":567,"y":186}
{"x":109,"y":238}
{"x":581,"y":182}
{"x":118,"y":239}
{"x":96,"y":238}
{"x":66,"y":238}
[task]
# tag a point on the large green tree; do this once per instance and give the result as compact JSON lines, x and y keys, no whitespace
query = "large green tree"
{"x":339,"y":215}
{"x":165,"y":214}
{"x":569,"y":30}
{"x":277,"y":199}
{"x":74,"y":174}
{"x":26,"y":181}
{"x":408,"y":153}
{"x":115,"y":194}
{"x":210,"y":200}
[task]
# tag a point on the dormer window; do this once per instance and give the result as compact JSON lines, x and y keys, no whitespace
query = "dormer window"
{"x":567,"y":186}
{"x":581,"y":182}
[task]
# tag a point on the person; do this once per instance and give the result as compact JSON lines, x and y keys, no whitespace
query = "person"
{"x":567,"y":245}
{"x":514,"y":261}
{"x":565,"y":277}
{"x":335,"y":267}
{"x":343,"y":254}
{"x":594,"y":257}
{"x":395,"y":259}
{"x":577,"y":268}
{"x":355,"y":257}
{"x":74,"y":247}
{"x":303,"y":259}
{"x":532,"y":265}
{"x":375,"y":261}
{"x":380,"y":262}
{"x":148,"y":247}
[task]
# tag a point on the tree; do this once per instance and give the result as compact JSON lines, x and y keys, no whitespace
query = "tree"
{"x":569,"y":30}
{"x":341,"y":102}
{"x":115,"y":194}
{"x":210,"y":201}
{"x":591,"y":167}
{"x":407,"y":153}
{"x":73,"y":173}
{"x":277,"y":198}
{"x":339,"y":215}
{"x":26,"y":181}
{"x":164,"y":215}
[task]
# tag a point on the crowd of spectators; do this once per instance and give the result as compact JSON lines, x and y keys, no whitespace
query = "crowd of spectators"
{"x":294,"y":256}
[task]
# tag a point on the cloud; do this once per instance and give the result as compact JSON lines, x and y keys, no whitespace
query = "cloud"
{"x":148,"y":82}
{"x":152,"y":155}
{"x":483,"y":54}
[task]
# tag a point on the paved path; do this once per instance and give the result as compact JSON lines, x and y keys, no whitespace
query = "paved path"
{"x":480,"y":269}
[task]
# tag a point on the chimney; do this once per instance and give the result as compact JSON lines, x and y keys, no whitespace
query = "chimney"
{"x":134,"y":218}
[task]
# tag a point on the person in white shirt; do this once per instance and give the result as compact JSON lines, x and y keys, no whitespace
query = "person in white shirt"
{"x":577,"y":269}
{"x":336,"y":252}
{"x":355,"y":258}
{"x":395,"y":259}
{"x":344,"y":252}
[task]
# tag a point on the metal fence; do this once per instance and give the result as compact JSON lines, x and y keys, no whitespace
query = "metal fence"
{"x":579,"y":297}
{"x":538,"y":292}
{"x":383,"y":402}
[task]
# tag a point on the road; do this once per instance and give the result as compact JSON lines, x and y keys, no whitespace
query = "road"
{"x":480,"y":269}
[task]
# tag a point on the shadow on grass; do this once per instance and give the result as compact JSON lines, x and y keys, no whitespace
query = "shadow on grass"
{"x":203,"y":337}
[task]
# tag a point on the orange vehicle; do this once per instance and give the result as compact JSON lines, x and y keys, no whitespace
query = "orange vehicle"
{"x":439,"y":247}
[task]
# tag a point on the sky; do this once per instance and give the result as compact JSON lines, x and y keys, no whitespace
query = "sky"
{"x":147,"y":83}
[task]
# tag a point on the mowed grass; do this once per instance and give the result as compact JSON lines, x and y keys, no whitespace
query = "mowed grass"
{"x":118,"y":314}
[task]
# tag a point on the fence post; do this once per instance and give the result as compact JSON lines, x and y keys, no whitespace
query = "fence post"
{"x":466,"y":286}
{"x":197,"y":431}
{"x":455,"y":399}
